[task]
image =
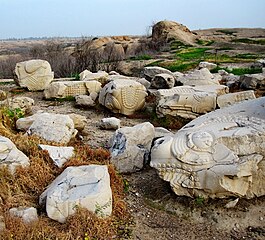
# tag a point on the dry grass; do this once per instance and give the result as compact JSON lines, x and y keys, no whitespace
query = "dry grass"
{"x":25,"y":187}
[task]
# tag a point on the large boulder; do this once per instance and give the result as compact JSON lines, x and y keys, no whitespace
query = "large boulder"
{"x":10,"y":156}
{"x":130,"y":147}
{"x":53,"y":127}
{"x":100,"y":76}
{"x":166,"y":31}
{"x":252,"y":81}
{"x":150,"y":72}
{"x":34,"y":74}
{"x":84,"y":186}
{"x":123,"y":96}
{"x":220,"y":154}
{"x":71,"y":88}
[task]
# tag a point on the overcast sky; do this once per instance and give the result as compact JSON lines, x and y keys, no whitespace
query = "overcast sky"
{"x":58,"y":18}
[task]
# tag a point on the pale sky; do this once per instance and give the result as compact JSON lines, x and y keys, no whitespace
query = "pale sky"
{"x":76,"y":18}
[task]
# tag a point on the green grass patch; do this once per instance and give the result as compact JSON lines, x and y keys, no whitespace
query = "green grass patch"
{"x":141,"y":57}
{"x":204,"y":42}
{"x":249,"y":41}
{"x":238,"y":71}
{"x":176,"y":44}
{"x":226,"y":31}
{"x":192,"y":54}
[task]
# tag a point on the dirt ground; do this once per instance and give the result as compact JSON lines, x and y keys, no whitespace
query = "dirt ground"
{"x":157,"y":212}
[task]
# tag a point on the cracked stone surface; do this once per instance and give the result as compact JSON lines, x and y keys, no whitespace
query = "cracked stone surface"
{"x":220,"y":154}
{"x":84,"y":186}
{"x":59,"y":155}
{"x":28,"y":214}
{"x":10,"y":156}
{"x":53,"y":127}
{"x":130,"y":146}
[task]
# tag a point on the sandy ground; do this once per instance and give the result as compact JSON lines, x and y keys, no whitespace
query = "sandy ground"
{"x":157,"y":212}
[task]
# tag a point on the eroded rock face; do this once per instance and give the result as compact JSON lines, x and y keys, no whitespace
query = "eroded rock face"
{"x":220,"y":154}
{"x":252,"y":81}
{"x":71,"y":88}
{"x":52,"y":127}
{"x":150,"y":72}
{"x":10,"y":156}
{"x":123,"y":96}
{"x":34,"y":74}
{"x":130,"y":147}
{"x":163,"y":81}
{"x":185,"y":101}
{"x":100,"y":76}
{"x":83,"y":186}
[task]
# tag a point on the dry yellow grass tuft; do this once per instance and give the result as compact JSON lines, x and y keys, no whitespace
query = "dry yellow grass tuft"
{"x":25,"y":187}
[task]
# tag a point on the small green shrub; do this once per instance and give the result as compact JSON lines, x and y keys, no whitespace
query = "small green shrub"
{"x":226,"y":31}
{"x":249,"y":41}
{"x":192,"y":54}
{"x":204,"y":42}
{"x":141,"y":57}
{"x":238,"y":71}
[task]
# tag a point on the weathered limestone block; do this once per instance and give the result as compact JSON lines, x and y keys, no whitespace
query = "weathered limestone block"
{"x":163,"y":81}
{"x":84,"y":101}
{"x":119,"y":77}
{"x":23,"y":103}
{"x":220,"y":154}
{"x":84,"y":186}
{"x":34,"y":74}
{"x":185,"y":101}
{"x":252,"y":81}
{"x":200,"y":77}
{"x":110,"y":123}
{"x":71,"y":88}
{"x":207,"y":65}
{"x":79,"y":121}
{"x":232,"y":98}
{"x":28,"y":215}
{"x":123,"y":96}
{"x":53,"y":127}
{"x":10,"y":156}
{"x":59,"y":155}
{"x":130,"y":147}
{"x":150,"y":72}
{"x":100,"y":76}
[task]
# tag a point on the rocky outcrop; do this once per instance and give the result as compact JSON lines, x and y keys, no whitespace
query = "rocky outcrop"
{"x":123,"y":96}
{"x":220,"y":154}
{"x":130,"y":147}
{"x":34,"y":75}
{"x":84,"y":186}
{"x":167,"y":31}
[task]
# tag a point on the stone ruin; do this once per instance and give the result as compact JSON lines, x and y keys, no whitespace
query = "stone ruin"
{"x":219,"y":154}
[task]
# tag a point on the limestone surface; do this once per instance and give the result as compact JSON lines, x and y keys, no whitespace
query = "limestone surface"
{"x":84,"y":101}
{"x":84,"y":186}
{"x":130,"y":147}
{"x":100,"y":76}
{"x":185,"y":101}
{"x":53,"y":127}
{"x":34,"y":74}
{"x":163,"y":81}
{"x":232,"y":98}
{"x":123,"y":96}
{"x":22,"y":103}
{"x":150,"y":72}
{"x":207,"y":65}
{"x":59,"y":155}
{"x":71,"y":88}
{"x":219,"y":154}
{"x":10,"y":156}
{"x":110,"y":123}
{"x":28,"y":214}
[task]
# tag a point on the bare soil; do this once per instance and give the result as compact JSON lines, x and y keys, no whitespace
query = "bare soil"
{"x":156,"y":211}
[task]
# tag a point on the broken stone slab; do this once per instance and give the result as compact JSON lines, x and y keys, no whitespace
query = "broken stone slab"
{"x":130,"y":147}
{"x":163,"y":81}
{"x":120,"y":77}
{"x":10,"y":156}
{"x":162,"y":132}
{"x":185,"y":101}
{"x":84,"y":101}
{"x":123,"y":96}
{"x":59,"y":155}
{"x":231,"y":80}
{"x":252,"y":81}
{"x":110,"y":123}
{"x":53,"y":127}
{"x":84,"y":186}
{"x":79,"y":121}
{"x":35,"y":75}
{"x":150,"y":72}
{"x":28,"y":214}
{"x":23,"y":104}
{"x":217,"y":155}
{"x":100,"y":76}
{"x":71,"y":88}
{"x":200,"y":77}
{"x":208,"y":65}
{"x":232,"y":98}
